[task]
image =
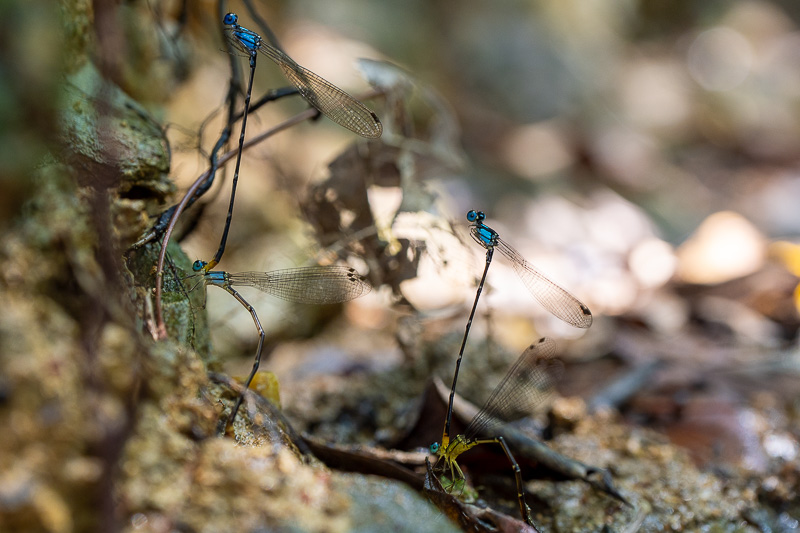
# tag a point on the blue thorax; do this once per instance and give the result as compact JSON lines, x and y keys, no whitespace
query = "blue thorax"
{"x":249,"y":40}
{"x":216,"y":277}
{"x":485,"y":235}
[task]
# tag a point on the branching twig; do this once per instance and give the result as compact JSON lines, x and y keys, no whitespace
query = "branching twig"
{"x":160,"y":326}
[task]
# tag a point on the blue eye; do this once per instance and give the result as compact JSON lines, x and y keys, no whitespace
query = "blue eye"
{"x":472,"y":215}
{"x":230,"y":19}
{"x":434,"y":447}
{"x":198,"y":265}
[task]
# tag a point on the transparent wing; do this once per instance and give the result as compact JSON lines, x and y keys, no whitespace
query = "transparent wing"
{"x":312,"y":285}
{"x":330,"y":100}
{"x":528,"y":384}
{"x":552,"y":297}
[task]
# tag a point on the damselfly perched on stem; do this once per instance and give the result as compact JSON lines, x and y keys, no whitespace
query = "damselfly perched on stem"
{"x":312,"y":285}
{"x":552,"y":297}
{"x":330,"y":100}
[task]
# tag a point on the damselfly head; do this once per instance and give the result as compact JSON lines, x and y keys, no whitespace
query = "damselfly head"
{"x":230,"y":19}
{"x":199,"y":265}
{"x":475,"y":216}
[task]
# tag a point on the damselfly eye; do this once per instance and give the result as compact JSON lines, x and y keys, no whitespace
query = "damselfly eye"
{"x":434,"y":447}
{"x":472,"y":215}
{"x":198,"y":265}
{"x":230,"y":19}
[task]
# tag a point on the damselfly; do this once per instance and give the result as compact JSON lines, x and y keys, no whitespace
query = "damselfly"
{"x":312,"y":285}
{"x":552,"y":297}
